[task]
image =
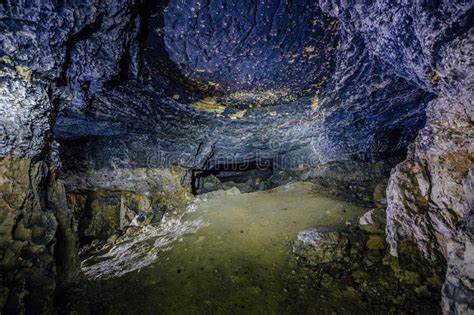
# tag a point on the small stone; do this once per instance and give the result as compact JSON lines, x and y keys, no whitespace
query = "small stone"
{"x":375,"y":242}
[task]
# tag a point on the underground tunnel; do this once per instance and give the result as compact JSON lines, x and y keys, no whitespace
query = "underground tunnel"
{"x":245,"y":157}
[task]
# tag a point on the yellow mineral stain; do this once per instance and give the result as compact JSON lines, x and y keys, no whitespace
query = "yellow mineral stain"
{"x":210,"y":105}
{"x":237,"y":115}
{"x":6,"y":60}
{"x":314,"y":103}
{"x":309,"y":49}
{"x":24,"y":72}
{"x":435,"y":78}
{"x":176,"y":97}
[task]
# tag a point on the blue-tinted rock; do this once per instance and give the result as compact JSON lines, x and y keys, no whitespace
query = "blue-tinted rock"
{"x":252,"y":45}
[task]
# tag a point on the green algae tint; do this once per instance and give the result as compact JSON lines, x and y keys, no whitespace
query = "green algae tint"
{"x":239,"y":261}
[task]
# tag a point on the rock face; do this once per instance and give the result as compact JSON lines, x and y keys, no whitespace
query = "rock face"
{"x":430,"y":198}
{"x":142,"y":96}
{"x":101,"y":213}
{"x":40,"y":43}
{"x":38,"y":241}
{"x":25,"y":110}
{"x":27,"y":236}
{"x":252,"y":45}
{"x":349,"y":263}
{"x":429,"y":195}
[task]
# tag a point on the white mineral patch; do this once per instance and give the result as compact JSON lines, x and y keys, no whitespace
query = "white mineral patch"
{"x":139,"y":251}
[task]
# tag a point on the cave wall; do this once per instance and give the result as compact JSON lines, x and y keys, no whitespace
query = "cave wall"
{"x":120,"y":120}
{"x":430,"y":198}
{"x":430,"y":193}
{"x":40,"y":45}
{"x":38,"y":241}
{"x":364,"y":113}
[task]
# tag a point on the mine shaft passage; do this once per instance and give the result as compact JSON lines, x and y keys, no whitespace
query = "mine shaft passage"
{"x":249,"y":175}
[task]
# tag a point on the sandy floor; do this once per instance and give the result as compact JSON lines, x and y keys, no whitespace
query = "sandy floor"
{"x":237,"y":259}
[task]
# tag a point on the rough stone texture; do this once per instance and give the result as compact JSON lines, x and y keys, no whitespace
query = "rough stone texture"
{"x":106,"y":201}
{"x":27,"y":233}
{"x":349,"y":264}
{"x":245,"y":181}
{"x":31,"y":220}
{"x":419,"y":40}
{"x":373,"y":221}
{"x":102,"y":213}
{"x":322,"y":246}
{"x":430,"y":44}
{"x":139,"y":179}
{"x":131,"y":109}
{"x":47,"y":57}
{"x":252,"y":45}
{"x":427,"y":191}
{"x":358,"y":182}
{"x":429,"y":198}
{"x":80,"y":44}
{"x":38,"y":241}
{"x":25,"y":110}
{"x":364,"y":113}
{"x":361,"y":112}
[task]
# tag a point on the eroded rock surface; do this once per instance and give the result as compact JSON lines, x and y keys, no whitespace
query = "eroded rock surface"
{"x":40,"y":45}
{"x":429,"y":195}
{"x":38,"y":240}
{"x":430,"y":200}
{"x":350,"y":263}
{"x":252,"y":45}
{"x":142,"y":89}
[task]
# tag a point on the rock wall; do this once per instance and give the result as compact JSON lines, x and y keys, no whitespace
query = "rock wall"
{"x":430,"y":198}
{"x":106,"y":202}
{"x":37,"y":237}
{"x":123,"y":120}
{"x":429,"y":194}
{"x":48,"y":49}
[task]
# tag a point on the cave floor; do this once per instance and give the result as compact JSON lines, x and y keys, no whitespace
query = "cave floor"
{"x":235,"y":257}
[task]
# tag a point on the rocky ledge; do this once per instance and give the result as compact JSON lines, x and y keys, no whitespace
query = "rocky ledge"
{"x":354,"y":265}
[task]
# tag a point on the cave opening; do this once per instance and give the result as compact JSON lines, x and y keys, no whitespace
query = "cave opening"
{"x":247,"y":176}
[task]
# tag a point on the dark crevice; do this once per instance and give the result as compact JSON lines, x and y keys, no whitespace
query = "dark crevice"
{"x":240,"y":172}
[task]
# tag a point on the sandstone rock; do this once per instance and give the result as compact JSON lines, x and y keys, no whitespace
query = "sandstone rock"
{"x":428,"y":200}
{"x":100,"y":214}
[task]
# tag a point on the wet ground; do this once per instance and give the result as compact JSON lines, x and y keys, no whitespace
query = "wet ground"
{"x":229,"y":253}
